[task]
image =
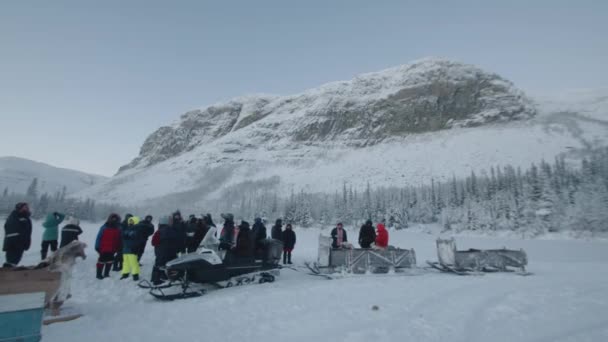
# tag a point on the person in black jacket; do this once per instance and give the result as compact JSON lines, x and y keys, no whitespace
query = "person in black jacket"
{"x":17,"y":234}
{"x":227,"y":239}
{"x":196,"y":230}
{"x":277,"y":230}
{"x":208,"y":221}
{"x":179,"y":226}
{"x":367,"y":234}
{"x":70,"y":231}
{"x":244,"y":247}
{"x":118,"y":258}
{"x":193,"y":234}
{"x":258,"y":235}
{"x":145,"y":229}
{"x":289,"y":242}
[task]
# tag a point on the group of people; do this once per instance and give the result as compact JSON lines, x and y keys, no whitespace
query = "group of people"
{"x":121,"y":243}
{"x":368,"y":236}
{"x":246,"y":241}
{"x":18,"y":233}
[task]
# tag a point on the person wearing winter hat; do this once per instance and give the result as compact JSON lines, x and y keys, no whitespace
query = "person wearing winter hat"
{"x":50,"y":234}
{"x":70,"y":231}
{"x":130,"y":244}
{"x":108,"y":244}
{"x":17,"y":234}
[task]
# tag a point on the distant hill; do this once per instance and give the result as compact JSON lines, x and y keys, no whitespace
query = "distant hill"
{"x":16,"y":174}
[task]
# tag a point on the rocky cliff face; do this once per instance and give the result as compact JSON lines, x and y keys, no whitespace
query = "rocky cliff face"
{"x":424,"y":96}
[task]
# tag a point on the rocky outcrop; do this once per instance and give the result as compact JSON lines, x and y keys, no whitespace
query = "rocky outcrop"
{"x":424,"y":96}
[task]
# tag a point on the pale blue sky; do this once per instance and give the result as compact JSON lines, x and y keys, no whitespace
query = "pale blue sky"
{"x":82,"y":83}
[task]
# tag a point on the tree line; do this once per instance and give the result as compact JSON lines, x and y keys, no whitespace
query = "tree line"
{"x":545,"y":197}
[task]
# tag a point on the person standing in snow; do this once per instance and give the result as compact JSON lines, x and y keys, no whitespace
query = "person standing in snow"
{"x":157,"y":274}
{"x":50,"y":234}
{"x":70,"y":231}
{"x":381,"y":237}
{"x":170,"y":241}
{"x":178,"y":224}
{"x":118,"y":258}
{"x":277,"y":230}
{"x":145,"y":229}
{"x":339,"y":237}
{"x":289,"y":242}
{"x":108,"y":244}
{"x":367,"y":234}
{"x":17,"y":234}
{"x":130,"y":245}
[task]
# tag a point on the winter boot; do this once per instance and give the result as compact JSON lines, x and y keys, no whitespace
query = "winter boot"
{"x":135,"y":277}
{"x":117,"y":265}
{"x":99,"y":270}
{"x":124,"y":276}
{"x":107,"y":269}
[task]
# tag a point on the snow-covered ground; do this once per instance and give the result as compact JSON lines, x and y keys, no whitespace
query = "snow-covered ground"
{"x":565,"y":300}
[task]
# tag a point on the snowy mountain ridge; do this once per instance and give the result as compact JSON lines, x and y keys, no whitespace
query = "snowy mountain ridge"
{"x":426,"y":95}
{"x":431,"y":119}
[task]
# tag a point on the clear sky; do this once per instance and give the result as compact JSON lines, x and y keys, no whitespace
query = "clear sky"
{"x":82,"y":83}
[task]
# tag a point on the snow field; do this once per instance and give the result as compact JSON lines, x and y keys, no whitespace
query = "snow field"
{"x":563,"y":301}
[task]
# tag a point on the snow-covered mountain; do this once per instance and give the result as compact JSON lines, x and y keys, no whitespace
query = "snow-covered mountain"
{"x":432,"y":118}
{"x":16,"y":174}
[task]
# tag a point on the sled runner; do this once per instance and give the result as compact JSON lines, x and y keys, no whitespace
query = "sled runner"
{"x":476,"y":261}
{"x":360,"y":260}
{"x":192,"y":275}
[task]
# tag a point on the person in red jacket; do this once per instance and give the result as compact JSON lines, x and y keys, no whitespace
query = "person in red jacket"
{"x":109,"y":245}
{"x":381,"y":237}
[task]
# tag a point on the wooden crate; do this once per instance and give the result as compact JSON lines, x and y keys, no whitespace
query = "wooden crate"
{"x":14,"y":281}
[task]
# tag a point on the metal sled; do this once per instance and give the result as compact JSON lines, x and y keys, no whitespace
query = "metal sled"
{"x":478,"y":261}
{"x":361,"y":260}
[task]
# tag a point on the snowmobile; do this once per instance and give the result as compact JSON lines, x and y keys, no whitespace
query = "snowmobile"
{"x":192,"y":275}
{"x":477,"y":261}
{"x":332,"y":261}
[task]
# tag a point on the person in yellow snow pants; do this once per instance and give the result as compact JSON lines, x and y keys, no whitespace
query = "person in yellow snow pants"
{"x":130,"y":242}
